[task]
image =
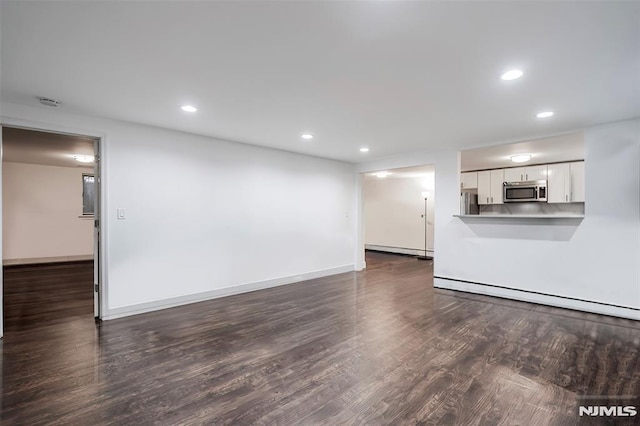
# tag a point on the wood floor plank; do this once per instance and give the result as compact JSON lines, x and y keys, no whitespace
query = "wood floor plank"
{"x":377,"y":347}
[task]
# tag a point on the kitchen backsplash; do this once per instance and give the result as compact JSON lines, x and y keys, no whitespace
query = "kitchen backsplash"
{"x":534,"y":208}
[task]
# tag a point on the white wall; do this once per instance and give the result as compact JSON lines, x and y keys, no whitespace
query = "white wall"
{"x":589,"y":265}
{"x":41,"y":208}
{"x":392,"y":214}
{"x":206,"y":217}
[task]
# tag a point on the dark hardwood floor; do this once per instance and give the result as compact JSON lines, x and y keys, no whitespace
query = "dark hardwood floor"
{"x":378,"y":347}
{"x":45,"y":294}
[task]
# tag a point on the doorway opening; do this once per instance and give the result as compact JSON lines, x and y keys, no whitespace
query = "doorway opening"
{"x":398,"y":208}
{"x":50,"y":232}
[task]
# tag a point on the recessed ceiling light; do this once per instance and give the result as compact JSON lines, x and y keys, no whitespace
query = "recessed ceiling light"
{"x":83,"y":158}
{"x":520,"y":158}
{"x":364,"y":149}
{"x":382,"y":174}
{"x":544,"y":114}
{"x":188,"y":108}
{"x":306,"y":136}
{"x":511,"y":75}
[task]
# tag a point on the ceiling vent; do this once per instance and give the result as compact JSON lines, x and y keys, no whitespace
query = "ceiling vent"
{"x":49,"y":102}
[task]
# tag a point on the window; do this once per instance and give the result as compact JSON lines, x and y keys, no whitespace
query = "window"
{"x":88,"y":195}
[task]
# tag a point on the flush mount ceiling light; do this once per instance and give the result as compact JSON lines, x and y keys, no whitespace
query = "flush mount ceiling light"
{"x":83,"y":158}
{"x":512,"y":75}
{"x":521,"y":158}
{"x":364,"y":149}
{"x":306,"y":136}
{"x":188,"y":108}
{"x":382,"y":174}
{"x":544,"y":114}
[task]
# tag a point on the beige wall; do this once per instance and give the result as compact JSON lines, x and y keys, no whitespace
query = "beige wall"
{"x":40,"y":213}
{"x":393,"y":209}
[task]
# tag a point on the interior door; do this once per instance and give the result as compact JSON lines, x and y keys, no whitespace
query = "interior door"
{"x":96,"y":231}
{"x":1,"y":239}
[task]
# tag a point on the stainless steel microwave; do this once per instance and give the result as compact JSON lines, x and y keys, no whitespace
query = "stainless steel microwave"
{"x":520,"y":192}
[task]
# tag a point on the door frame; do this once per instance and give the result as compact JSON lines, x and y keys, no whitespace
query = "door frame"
{"x":100,"y":261}
{"x":360,"y":239}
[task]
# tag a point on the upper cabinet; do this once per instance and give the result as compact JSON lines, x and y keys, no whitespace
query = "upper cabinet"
{"x":524,"y":174}
{"x":577,"y":181}
{"x":515,"y":174}
{"x":490,"y":183}
{"x":497,"y":183}
{"x":566,"y":183}
{"x":559,"y":183}
{"x":535,"y":173}
{"x":469,"y":180}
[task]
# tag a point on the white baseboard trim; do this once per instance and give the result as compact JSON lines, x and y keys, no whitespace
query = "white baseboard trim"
{"x":542,"y":299}
{"x":398,"y":250}
{"x":54,"y":259}
{"x":156,"y":305}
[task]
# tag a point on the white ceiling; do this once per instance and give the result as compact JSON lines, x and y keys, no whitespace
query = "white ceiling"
{"x":543,"y":151}
{"x":51,"y":149}
{"x":394,"y":76}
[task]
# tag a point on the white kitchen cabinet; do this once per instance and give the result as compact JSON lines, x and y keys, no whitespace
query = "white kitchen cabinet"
{"x":566,"y":183}
{"x":523,"y":174}
{"x":514,"y":174}
{"x":576,"y":170}
{"x":490,"y":186}
{"x":469,"y":180}
{"x":484,"y":187}
{"x":535,"y":173}
{"x":497,"y":181}
{"x":558,"y":183}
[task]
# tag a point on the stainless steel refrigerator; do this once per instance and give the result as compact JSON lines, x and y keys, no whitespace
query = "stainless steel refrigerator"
{"x":469,"y":203}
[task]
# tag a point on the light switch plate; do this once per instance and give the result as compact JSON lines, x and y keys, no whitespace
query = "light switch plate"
{"x":121,"y":213}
